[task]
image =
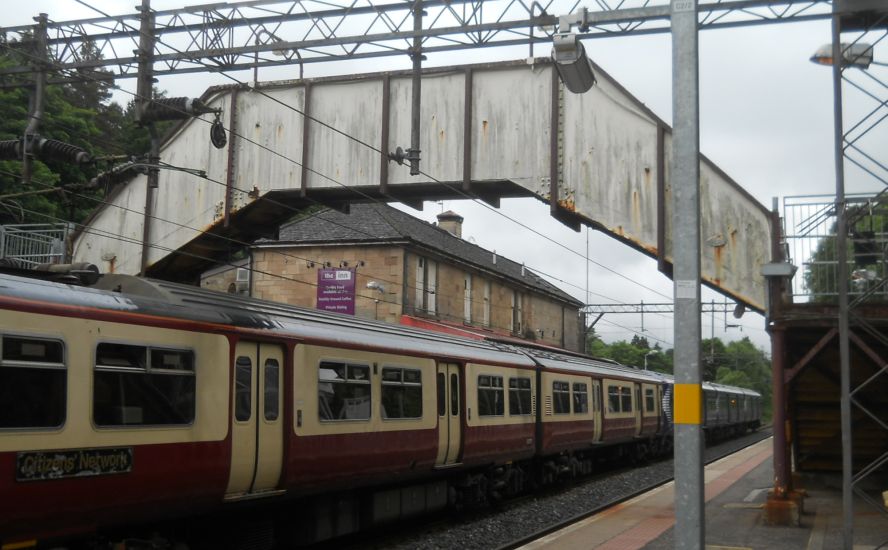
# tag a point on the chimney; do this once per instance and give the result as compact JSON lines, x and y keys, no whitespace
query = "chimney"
{"x":451,"y":222}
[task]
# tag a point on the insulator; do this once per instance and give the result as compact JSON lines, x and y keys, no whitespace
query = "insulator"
{"x":55,"y":149}
{"x":11,"y":149}
{"x":217,"y":134}
{"x":174,"y":108}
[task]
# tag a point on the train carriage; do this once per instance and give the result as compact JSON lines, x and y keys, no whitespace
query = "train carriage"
{"x":143,"y":402}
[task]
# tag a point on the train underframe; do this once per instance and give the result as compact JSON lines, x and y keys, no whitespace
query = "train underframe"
{"x":264,"y":525}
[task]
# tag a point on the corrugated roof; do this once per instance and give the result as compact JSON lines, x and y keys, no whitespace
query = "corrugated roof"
{"x":378,"y":223}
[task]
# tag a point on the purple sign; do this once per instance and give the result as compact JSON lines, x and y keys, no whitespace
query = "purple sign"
{"x":336,"y":290}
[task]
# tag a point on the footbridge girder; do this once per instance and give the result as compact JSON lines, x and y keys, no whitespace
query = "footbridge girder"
{"x":487,"y":131}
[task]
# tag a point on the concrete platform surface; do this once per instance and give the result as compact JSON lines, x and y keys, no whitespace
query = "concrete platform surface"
{"x":736,"y":490}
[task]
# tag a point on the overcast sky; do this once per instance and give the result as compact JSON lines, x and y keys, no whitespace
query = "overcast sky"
{"x":765,"y":119}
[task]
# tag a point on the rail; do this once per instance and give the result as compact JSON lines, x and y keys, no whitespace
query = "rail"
{"x":34,"y":244}
{"x":809,"y":224}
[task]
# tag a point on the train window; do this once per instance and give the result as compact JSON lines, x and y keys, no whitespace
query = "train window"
{"x":580,"y":398}
{"x":442,"y":394}
{"x":401,"y":393}
{"x":243,"y":389}
{"x":454,"y":394}
{"x":626,"y":399}
{"x":650,"y":404}
{"x":343,"y":391}
{"x":491,"y":401}
{"x":613,"y":399}
{"x":272,"y":389}
{"x":712,"y":403}
{"x":561,"y":397}
{"x":140,"y":385}
{"x":519,"y":396}
{"x":33,"y":383}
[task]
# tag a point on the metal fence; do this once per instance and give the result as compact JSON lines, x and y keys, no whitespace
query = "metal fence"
{"x":809,"y":224}
{"x":34,"y":244}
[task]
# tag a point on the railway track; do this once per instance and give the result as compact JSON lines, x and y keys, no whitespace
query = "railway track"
{"x":519,"y":521}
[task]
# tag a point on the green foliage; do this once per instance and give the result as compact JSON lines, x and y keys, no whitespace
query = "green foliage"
{"x":80,"y":114}
{"x":631,"y":353}
{"x":866,"y":241}
{"x":742,"y":364}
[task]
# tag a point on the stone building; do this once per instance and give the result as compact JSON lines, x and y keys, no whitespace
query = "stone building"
{"x":406,"y":271}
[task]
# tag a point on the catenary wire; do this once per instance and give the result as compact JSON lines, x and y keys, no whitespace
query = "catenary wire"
{"x":295,"y":210}
{"x":250,"y":268}
{"x":377,"y":150}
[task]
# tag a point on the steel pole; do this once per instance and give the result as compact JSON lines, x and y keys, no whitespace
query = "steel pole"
{"x":416,"y":54}
{"x":842,"y":279}
{"x":36,"y":99}
{"x":144,"y":95}
{"x":778,"y":400}
{"x":688,"y":407}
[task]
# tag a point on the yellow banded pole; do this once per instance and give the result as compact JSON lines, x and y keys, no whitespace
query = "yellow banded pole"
{"x":688,"y":404}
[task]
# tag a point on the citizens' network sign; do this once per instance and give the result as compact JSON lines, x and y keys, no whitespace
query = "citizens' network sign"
{"x":336,"y":290}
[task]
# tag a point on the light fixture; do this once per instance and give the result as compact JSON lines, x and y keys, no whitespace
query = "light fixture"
{"x":573,"y":67}
{"x":373,"y":285}
{"x":646,"y":355}
{"x":858,"y":55}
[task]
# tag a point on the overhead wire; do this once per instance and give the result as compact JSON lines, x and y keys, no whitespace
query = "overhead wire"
{"x":378,"y":150}
{"x":121,"y":238}
{"x":375,"y":200}
{"x":295,"y":210}
{"x":242,"y":243}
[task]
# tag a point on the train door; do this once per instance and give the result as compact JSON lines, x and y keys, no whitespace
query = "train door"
{"x":449,"y":414}
{"x":639,"y":415}
{"x":596,"y":409}
{"x":257,"y":432}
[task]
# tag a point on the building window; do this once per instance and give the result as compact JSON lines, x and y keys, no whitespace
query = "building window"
{"x":33,"y":383}
{"x":485,"y":318}
{"x":401,"y":393}
{"x":561,"y":397}
{"x":343,"y":391}
{"x":490,"y":396}
{"x":517,"y":313}
{"x":519,"y":396}
{"x":139,"y":385}
{"x":242,"y":281}
{"x":580,"y":398}
{"x":467,"y":300}
{"x":426,"y":282}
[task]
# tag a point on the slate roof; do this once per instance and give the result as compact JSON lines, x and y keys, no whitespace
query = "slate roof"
{"x":379,"y":223}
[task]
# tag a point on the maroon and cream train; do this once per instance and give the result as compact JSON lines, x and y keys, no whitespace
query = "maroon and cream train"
{"x":132,"y":402}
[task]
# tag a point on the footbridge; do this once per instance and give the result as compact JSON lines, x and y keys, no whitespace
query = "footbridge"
{"x":488,"y":131}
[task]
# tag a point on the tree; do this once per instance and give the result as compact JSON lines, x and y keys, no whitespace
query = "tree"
{"x":866,"y":254}
{"x":79,"y":114}
{"x":746,"y":366}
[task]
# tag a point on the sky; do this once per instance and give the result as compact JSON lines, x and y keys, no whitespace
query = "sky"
{"x":766,"y":119}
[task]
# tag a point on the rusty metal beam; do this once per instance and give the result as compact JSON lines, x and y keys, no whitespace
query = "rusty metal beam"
{"x":806,"y":360}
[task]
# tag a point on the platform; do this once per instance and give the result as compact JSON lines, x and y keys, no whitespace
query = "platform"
{"x":736,"y":490}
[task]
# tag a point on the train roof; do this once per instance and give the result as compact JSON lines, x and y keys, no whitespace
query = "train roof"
{"x":590,"y":365}
{"x":128,"y":294}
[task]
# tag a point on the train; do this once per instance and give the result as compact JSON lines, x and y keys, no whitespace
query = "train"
{"x":130,"y":408}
